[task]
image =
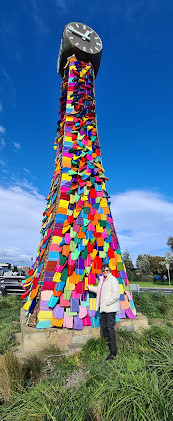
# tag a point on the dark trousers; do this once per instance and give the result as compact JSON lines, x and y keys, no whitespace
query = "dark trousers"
{"x":107,"y":323}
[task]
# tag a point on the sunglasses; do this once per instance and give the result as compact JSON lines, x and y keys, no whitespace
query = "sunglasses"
{"x":105,"y":270}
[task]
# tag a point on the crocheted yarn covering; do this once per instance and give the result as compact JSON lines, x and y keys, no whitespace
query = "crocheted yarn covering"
{"x":78,"y":233}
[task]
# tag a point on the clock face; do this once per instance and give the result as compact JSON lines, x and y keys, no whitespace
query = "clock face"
{"x":83,"y":37}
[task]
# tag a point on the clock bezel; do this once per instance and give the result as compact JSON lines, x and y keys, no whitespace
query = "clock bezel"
{"x":67,"y":49}
{"x":97,"y":40}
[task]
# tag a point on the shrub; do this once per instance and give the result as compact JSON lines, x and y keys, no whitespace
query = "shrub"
{"x":155,"y":305}
{"x":135,"y":278}
{"x":147,"y":278}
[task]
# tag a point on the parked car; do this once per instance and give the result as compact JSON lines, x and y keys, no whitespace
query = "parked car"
{"x":11,"y":283}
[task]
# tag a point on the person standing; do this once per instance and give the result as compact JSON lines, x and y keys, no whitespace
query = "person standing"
{"x":108,"y":301}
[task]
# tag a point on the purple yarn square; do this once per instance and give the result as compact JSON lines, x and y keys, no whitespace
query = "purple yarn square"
{"x":79,"y":220}
{"x":48,"y":275}
{"x":58,"y":312}
{"x":74,"y":305}
{"x":71,"y":206}
{"x":84,"y":296}
{"x":80,"y":263}
{"x":91,"y":313}
{"x":121,"y":314}
{"x":77,"y":323}
{"x":122,"y":274}
{"x":44,"y":305}
{"x":58,"y":225}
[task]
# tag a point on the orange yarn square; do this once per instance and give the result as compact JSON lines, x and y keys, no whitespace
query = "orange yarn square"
{"x":56,"y":322}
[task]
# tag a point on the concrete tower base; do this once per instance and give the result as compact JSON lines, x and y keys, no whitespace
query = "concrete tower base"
{"x":67,"y":340}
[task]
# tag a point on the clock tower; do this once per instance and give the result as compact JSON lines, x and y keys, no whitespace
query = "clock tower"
{"x":78,"y":234}
{"x":84,"y":42}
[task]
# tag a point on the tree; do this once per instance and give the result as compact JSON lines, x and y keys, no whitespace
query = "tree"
{"x":143,"y":264}
{"x":128,"y":260}
{"x":170,"y":242}
{"x":169,"y":258}
{"x":128,"y":264}
{"x":154,"y":262}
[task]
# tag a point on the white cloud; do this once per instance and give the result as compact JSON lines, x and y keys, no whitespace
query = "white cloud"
{"x":3,"y":165}
{"x":143,"y":221}
{"x":39,"y":14}
{"x":2,"y":162}
{"x":2,"y":130}
{"x":21,"y":209}
{"x":35,"y":12}
{"x":61,"y":4}
{"x":16,"y":145}
{"x":2,"y":143}
{"x":8,"y":85}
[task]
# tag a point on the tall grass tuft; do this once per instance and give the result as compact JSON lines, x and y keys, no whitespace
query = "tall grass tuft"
{"x":10,"y":324}
{"x":11,"y":375}
{"x":125,"y":395}
{"x":5,"y":389}
{"x":32,"y":369}
{"x":33,"y":404}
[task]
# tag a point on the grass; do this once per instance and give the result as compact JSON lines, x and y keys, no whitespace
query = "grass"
{"x":152,"y":284}
{"x":136,"y":386}
{"x":10,"y":324}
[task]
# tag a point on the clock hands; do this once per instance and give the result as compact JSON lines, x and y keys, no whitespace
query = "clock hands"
{"x":87,"y":33}
{"x":83,"y":36}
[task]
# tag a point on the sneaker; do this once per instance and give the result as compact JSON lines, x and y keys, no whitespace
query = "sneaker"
{"x":110,"y":357}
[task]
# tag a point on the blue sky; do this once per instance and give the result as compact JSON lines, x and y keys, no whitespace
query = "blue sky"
{"x":134,"y":101}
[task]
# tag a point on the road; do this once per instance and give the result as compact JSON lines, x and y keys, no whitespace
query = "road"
{"x":149,"y":289}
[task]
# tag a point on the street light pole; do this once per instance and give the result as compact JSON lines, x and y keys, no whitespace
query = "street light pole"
{"x":167,"y":267}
